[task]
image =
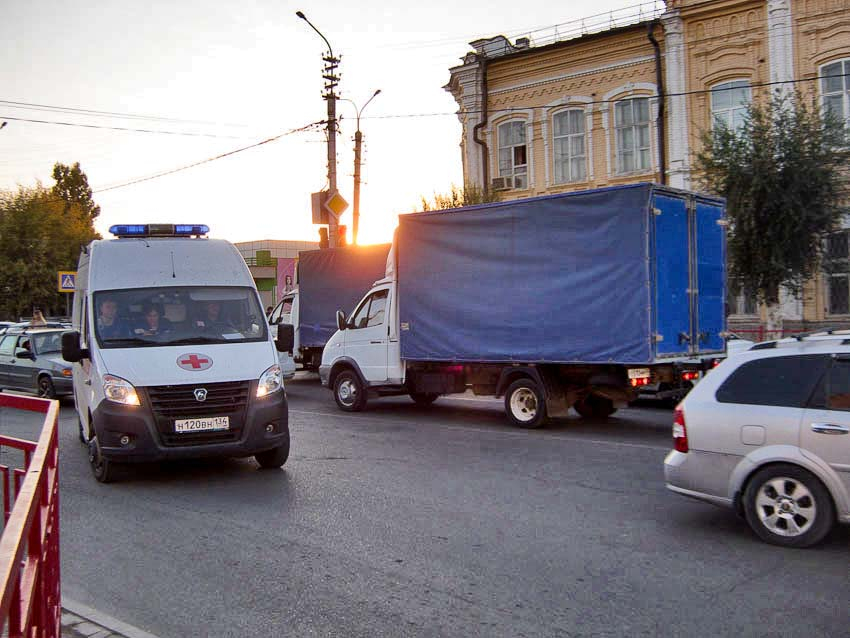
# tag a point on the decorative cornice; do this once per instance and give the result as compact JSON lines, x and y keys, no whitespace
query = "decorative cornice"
{"x":571,"y":76}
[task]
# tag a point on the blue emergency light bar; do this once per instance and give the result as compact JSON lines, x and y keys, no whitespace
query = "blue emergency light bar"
{"x":159,"y":230}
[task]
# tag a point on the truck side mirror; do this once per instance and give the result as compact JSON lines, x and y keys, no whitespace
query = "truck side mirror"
{"x":285,"y":341}
{"x":71,"y":350}
{"x":340,"y":320}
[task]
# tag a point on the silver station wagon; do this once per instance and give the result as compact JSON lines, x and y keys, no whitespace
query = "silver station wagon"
{"x":767,"y":433}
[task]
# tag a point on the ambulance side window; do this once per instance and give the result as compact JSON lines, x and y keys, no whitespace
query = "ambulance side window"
{"x":84,"y":323}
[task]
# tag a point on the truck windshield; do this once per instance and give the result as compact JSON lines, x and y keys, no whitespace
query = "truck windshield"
{"x":144,"y":317}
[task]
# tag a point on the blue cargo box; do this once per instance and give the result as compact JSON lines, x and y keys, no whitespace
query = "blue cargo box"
{"x":630,"y":274}
{"x":334,"y":279}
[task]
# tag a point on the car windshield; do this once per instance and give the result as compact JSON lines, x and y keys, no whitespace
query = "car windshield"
{"x":47,"y":342}
{"x":145,"y":317}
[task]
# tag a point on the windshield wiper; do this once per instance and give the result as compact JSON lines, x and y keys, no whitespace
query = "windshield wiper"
{"x":194,"y":340}
{"x":129,"y":341}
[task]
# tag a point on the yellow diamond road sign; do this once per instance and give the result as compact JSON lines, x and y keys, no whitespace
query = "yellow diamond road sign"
{"x":335,"y":204}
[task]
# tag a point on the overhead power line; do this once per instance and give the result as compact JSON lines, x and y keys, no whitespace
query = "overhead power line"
{"x":209,"y":159}
{"x":119,"y":128}
{"x":126,"y":116}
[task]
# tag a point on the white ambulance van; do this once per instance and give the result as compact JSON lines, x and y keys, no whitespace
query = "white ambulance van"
{"x":172,"y":354}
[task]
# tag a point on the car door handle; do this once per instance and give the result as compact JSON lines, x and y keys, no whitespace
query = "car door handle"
{"x":829,"y":428}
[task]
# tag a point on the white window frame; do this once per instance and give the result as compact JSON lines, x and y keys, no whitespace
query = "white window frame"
{"x":728,"y":114}
{"x":635,"y":127}
{"x":844,"y":92}
{"x":567,"y":160}
{"x":515,"y":170}
{"x":837,"y":272}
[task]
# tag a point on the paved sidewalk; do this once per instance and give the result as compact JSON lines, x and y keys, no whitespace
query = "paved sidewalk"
{"x":80,"y":621}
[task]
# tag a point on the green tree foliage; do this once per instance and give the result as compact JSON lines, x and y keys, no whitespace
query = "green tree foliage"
{"x":781,"y":174}
{"x":457,"y":197}
{"x":40,"y":234}
{"x":72,"y":186}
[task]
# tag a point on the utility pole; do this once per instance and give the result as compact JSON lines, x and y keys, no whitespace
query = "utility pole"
{"x":331,"y":82}
{"x":358,"y":140}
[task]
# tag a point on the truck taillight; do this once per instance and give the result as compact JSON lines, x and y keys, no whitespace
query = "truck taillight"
{"x":639,"y":381}
{"x":680,"y":432}
{"x":691,"y":375}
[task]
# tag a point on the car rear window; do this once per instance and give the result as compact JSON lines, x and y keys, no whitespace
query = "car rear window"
{"x":779,"y":381}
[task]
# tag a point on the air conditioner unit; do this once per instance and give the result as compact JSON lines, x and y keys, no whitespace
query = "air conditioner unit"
{"x":502,"y":183}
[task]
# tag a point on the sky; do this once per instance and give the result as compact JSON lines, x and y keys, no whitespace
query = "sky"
{"x":198,"y":79}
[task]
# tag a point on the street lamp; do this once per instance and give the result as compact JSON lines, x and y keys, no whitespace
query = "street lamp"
{"x":331,"y":82}
{"x":358,"y":140}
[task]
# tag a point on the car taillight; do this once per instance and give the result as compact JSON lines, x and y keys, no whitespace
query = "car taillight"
{"x":680,"y":432}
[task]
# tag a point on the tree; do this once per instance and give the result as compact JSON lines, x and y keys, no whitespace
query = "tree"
{"x":72,"y":186}
{"x":40,"y":234}
{"x":781,"y":175}
{"x":457,"y":197}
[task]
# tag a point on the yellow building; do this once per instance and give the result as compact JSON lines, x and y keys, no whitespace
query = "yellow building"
{"x":602,"y":105}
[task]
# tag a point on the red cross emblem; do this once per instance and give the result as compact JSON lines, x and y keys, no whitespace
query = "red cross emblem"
{"x":194,"y":361}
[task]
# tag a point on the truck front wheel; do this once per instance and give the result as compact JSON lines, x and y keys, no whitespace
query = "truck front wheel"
{"x":525,"y":404}
{"x":349,"y":393}
{"x":594,"y":406}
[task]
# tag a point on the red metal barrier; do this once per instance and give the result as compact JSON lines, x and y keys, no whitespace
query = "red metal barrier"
{"x":31,"y":602}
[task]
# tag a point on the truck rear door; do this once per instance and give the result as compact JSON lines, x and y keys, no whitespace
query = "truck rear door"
{"x":710,"y":259}
{"x":672,"y":274}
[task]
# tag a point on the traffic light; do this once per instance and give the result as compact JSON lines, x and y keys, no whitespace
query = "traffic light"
{"x":341,"y":232}
{"x":323,"y":237}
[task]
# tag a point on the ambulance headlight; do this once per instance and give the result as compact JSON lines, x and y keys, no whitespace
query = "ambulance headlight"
{"x":119,"y":390}
{"x":270,"y":381}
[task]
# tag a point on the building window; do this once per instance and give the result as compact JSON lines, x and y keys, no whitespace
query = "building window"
{"x":729,"y":102}
{"x":837,"y":267}
{"x":513,"y":153}
{"x":835,"y":87}
{"x":569,"y":143}
{"x":740,"y":300}
{"x":631,"y":121}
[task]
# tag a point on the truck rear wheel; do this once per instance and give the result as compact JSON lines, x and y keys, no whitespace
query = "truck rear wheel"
{"x":349,"y":393}
{"x":594,"y":406}
{"x":525,"y":404}
{"x":424,"y":398}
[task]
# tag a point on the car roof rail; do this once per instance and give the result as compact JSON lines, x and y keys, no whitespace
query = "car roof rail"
{"x":764,"y":345}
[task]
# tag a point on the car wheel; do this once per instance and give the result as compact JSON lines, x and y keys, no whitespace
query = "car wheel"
{"x":787,"y":505}
{"x":594,"y":406}
{"x":274,"y":458}
{"x":45,"y":388}
{"x":349,"y":392}
{"x":104,"y":470}
{"x":525,"y":404}
{"x":424,"y":398}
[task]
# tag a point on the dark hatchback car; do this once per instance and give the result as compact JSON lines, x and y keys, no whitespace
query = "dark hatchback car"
{"x":31,"y":360}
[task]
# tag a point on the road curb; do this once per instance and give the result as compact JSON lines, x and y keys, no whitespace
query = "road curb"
{"x":82,"y":620}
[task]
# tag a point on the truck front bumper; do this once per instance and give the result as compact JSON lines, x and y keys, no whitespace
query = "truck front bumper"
{"x":324,"y":375}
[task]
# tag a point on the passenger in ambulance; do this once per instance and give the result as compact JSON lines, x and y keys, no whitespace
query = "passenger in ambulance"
{"x":153,"y":323}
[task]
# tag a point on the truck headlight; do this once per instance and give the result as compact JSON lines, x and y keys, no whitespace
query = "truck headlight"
{"x":119,"y":390}
{"x":270,"y":381}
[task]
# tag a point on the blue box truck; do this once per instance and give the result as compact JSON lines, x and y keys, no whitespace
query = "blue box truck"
{"x":571,"y":300}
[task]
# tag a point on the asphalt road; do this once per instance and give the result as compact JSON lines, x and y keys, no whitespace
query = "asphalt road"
{"x":441,"y":521}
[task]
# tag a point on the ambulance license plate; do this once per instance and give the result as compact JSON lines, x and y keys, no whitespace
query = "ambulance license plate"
{"x":206,"y":424}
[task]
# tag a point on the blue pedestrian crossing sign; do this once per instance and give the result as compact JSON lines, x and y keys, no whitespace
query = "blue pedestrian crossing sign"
{"x":67,"y":280}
